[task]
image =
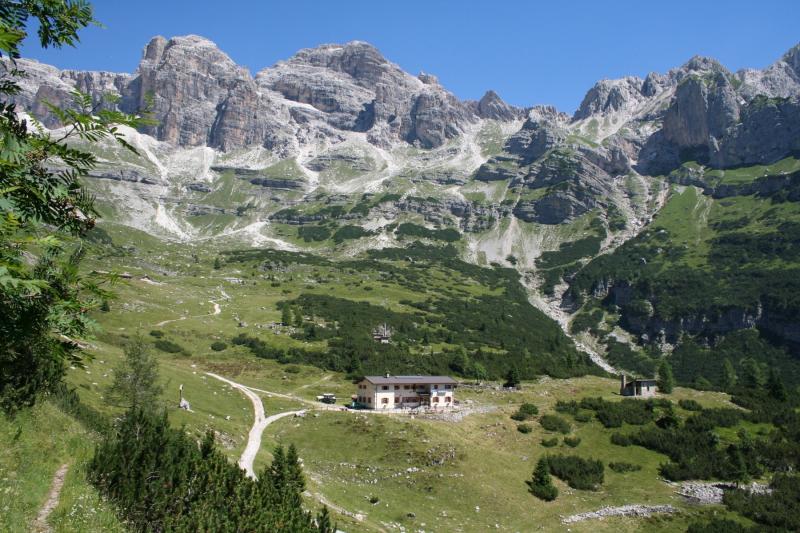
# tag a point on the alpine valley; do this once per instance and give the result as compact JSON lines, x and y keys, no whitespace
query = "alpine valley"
{"x":270,"y":222}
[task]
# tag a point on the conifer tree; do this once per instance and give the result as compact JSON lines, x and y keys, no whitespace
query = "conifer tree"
{"x":775,"y":386}
{"x":665,"y":381}
{"x":541,"y":485}
{"x":728,"y":375}
{"x":286,"y":316}
{"x":512,"y":377}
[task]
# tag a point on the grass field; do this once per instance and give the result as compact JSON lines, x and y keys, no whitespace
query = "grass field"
{"x":392,"y":471}
{"x":32,"y":447}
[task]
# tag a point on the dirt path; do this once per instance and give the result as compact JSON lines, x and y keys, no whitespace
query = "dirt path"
{"x":40,"y":524}
{"x":259,"y":424}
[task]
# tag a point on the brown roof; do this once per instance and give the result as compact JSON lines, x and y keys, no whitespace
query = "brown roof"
{"x":409,"y":380}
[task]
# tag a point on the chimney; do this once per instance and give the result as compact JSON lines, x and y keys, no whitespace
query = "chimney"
{"x":387,"y":375}
{"x":623,"y":383}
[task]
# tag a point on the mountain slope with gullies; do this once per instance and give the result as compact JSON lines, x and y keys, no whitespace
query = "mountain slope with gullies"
{"x":656,"y":189}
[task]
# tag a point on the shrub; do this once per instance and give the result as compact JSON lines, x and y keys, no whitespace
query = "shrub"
{"x":555,"y":423}
{"x":570,"y":407}
{"x":541,"y":485}
{"x":572,"y":442}
{"x":690,"y":405}
{"x":168,"y":346}
{"x":583,"y":417}
{"x":629,"y":411}
{"x":524,"y":428}
{"x":578,"y":473}
{"x":549,"y":443}
{"x":622,"y":467}
{"x":218,"y":346}
{"x":157,"y":333}
{"x":525,"y":411}
{"x":292,"y":369}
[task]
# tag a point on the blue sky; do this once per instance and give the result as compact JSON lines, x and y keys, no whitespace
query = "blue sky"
{"x":529,"y":52}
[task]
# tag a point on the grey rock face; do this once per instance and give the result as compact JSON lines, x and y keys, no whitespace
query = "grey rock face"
{"x":540,"y":133}
{"x":200,"y":96}
{"x":357,"y":89}
{"x":493,"y":107}
{"x":574,"y":185}
{"x":188,"y":78}
{"x":613,"y":95}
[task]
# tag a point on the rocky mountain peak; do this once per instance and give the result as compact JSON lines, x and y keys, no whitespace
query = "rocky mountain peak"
{"x":702,"y":64}
{"x":609,"y":96}
{"x":792,"y":58}
{"x":492,"y":106}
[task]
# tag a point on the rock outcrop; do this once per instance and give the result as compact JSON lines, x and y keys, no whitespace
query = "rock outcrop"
{"x":200,"y":97}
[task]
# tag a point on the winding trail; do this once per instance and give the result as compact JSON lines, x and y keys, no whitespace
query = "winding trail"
{"x":259,"y":425}
{"x":40,"y":524}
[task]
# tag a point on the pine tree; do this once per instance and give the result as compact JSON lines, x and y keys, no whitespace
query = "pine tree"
{"x":728,"y":375}
{"x":752,"y":375}
{"x":324,"y":524}
{"x":541,"y":485}
{"x":775,"y":386}
{"x":512,"y":377}
{"x":135,"y":382}
{"x":294,"y":472}
{"x":298,"y":317}
{"x":666,"y":381}
{"x":217,"y":263}
{"x":286,"y":316}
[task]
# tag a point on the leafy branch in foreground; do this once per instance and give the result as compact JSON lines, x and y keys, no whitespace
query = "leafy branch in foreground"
{"x":45,"y":211}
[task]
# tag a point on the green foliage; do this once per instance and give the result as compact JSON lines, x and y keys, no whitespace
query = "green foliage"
{"x":577,"y":472}
{"x":313,"y":233}
{"x":524,"y":428}
{"x":407,"y":229}
{"x":161,"y":480}
{"x":693,"y":447}
{"x":541,"y":485}
{"x":349,"y":233}
{"x":777,"y":510}
{"x":157,"y":333}
{"x":44,"y":211}
{"x":168,"y":346}
{"x":555,"y":423}
{"x":135,"y":382}
{"x":525,"y":412}
{"x":572,"y":442}
{"x":512,"y":378}
{"x":620,"y":354}
{"x":738,"y":259}
{"x":622,"y":467}
{"x":628,"y":411}
{"x":586,"y":320}
{"x":550,"y":443}
{"x":738,"y":359}
{"x":665,"y":382}
{"x":219,"y":346}
{"x":690,"y":405}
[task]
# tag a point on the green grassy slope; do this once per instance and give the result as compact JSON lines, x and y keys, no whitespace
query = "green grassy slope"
{"x":32,"y":447}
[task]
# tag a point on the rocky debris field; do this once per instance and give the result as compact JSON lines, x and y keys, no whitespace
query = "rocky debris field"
{"x":639,"y":511}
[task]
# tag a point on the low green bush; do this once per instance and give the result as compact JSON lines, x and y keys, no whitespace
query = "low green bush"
{"x":168,"y":346}
{"x":622,"y":467}
{"x":555,"y":423}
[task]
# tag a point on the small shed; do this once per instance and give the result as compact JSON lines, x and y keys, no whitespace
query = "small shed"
{"x":637,"y":387}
